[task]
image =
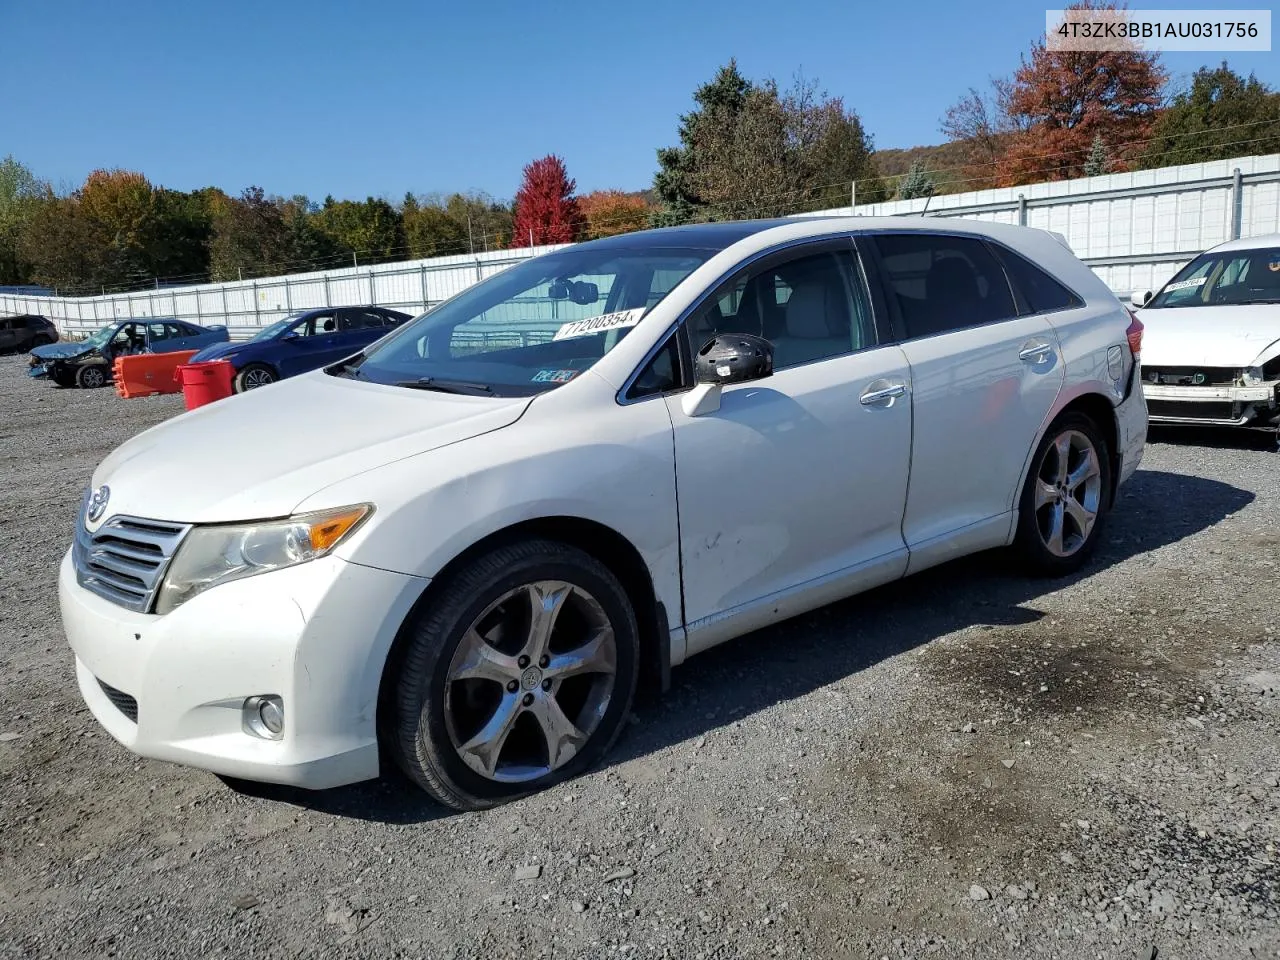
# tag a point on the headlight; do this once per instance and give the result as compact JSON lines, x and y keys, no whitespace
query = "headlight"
{"x":219,"y":554}
{"x":1251,"y":375}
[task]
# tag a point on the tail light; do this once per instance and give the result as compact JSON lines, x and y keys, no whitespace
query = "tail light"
{"x":1134,"y":334}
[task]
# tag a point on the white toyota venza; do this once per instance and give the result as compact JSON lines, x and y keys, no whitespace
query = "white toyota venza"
{"x":460,"y":550}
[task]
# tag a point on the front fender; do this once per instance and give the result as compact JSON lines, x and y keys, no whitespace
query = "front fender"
{"x":613,"y":466}
{"x":1268,"y":353}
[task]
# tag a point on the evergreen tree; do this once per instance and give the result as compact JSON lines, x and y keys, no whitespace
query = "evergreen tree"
{"x":916,"y":182}
{"x":1099,"y":160}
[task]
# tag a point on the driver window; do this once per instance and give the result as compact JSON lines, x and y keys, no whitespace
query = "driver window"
{"x":810,"y":308}
{"x":129,"y":337}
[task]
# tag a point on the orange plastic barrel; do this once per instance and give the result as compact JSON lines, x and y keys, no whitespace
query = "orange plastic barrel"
{"x":205,"y":382}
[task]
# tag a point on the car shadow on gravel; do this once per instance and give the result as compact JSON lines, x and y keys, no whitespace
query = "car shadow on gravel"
{"x":1220,"y":438}
{"x":793,"y":658}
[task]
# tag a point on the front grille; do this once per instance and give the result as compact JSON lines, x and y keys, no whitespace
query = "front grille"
{"x":122,"y":701}
{"x":125,"y":559}
{"x":1193,"y":409}
{"x":1191,"y":376}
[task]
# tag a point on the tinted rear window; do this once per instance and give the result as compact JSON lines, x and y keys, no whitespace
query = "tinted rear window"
{"x":1042,"y":292}
{"x":943,"y":283}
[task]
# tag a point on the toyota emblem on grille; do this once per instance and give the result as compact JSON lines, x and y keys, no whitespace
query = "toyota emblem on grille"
{"x":98,"y":504}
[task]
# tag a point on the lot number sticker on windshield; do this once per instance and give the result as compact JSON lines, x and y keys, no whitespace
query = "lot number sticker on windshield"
{"x":1183,"y":284}
{"x":606,"y":321}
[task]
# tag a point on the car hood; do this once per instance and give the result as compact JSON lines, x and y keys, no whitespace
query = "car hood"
{"x":219,"y":351}
{"x":59,"y":351}
{"x":1219,"y":336}
{"x":259,"y":454}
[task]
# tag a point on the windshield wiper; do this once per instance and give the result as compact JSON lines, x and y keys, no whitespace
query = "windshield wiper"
{"x":446,"y":386}
{"x":350,"y":367}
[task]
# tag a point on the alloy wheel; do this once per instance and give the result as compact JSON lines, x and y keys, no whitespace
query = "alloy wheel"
{"x":1068,"y":493}
{"x":257,"y":378}
{"x":93,"y":377}
{"x":530,"y":681}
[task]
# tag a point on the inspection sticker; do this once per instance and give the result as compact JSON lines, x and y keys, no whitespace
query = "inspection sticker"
{"x":606,"y":321}
{"x":554,"y":376}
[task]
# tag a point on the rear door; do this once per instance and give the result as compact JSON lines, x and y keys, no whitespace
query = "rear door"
{"x":181,"y":336}
{"x":8,"y":333}
{"x":984,"y":381}
{"x":361,"y":328}
{"x":159,"y":339}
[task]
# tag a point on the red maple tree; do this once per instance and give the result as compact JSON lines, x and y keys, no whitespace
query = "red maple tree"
{"x":546,"y":209}
{"x":1060,"y":100}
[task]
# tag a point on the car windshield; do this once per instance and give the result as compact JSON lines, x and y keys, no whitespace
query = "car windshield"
{"x":275,"y":329}
{"x":1229,"y":277}
{"x":100,"y":338}
{"x":532,"y":327}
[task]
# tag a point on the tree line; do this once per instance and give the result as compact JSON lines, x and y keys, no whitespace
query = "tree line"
{"x":746,"y":149}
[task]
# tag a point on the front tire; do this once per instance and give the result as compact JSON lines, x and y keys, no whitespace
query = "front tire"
{"x":253,"y":376}
{"x":519,"y":674}
{"x":91,"y":376}
{"x":1063,"y":506}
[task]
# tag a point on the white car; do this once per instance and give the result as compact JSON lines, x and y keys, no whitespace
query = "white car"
{"x":461,"y":548}
{"x":1211,"y":354}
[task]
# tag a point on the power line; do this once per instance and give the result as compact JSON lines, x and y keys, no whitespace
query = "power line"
{"x":707,"y":210}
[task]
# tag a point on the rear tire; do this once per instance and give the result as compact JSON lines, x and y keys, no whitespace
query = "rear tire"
{"x":1062,"y":511}
{"x":253,"y":376}
{"x":482,"y":706}
{"x":91,"y":376}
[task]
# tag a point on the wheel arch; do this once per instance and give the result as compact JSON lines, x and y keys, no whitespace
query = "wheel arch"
{"x":239,"y":365}
{"x":1101,"y":410}
{"x":601,"y":541}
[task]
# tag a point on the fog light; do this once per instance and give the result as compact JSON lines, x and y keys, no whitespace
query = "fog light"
{"x":264,"y":716}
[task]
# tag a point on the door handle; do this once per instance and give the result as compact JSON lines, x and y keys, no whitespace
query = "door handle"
{"x":881,"y":394}
{"x":1035,"y":351}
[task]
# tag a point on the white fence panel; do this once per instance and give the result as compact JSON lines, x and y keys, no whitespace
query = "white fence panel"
{"x":1134,"y":229}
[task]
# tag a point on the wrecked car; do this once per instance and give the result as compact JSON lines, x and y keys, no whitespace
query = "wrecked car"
{"x":1211,"y":350}
{"x":87,"y":363}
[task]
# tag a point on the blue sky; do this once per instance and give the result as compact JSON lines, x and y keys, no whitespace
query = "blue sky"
{"x":382,"y":97}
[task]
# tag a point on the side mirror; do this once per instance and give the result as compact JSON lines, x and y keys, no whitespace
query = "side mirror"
{"x":728,"y":358}
{"x":1141,"y":298}
{"x":734,"y":358}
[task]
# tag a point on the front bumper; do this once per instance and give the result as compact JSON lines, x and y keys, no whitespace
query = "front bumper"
{"x":1218,"y":405}
{"x":316,"y":635}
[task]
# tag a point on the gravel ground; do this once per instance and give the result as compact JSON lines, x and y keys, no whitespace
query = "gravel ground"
{"x":964,"y":764}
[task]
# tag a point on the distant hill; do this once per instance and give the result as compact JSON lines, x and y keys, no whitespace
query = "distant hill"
{"x":945,"y":160}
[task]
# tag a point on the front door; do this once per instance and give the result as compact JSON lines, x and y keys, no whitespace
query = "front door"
{"x":791,"y":493}
{"x":306,"y":346}
{"x":984,"y":383}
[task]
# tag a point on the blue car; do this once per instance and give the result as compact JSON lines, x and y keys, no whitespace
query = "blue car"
{"x":303,"y":342}
{"x":88,"y":363}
